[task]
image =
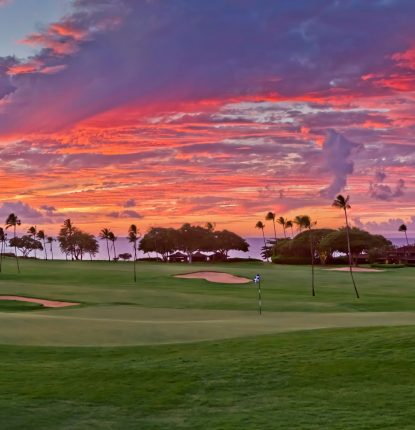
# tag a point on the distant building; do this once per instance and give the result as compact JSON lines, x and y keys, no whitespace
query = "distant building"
{"x":402,"y":255}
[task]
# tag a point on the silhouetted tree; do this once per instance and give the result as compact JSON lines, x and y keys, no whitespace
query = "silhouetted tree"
{"x":342,"y":202}
{"x":3,"y":238}
{"x":32,"y":232}
{"x":404,"y":229}
{"x":261,"y":226}
{"x":304,"y":222}
{"x":13,"y":221}
{"x":113,"y":238}
{"x":270,"y":216}
{"x":41,"y":236}
{"x":26,"y":244}
{"x":50,"y":240}
{"x":133,"y":237}
{"x":105,"y":235}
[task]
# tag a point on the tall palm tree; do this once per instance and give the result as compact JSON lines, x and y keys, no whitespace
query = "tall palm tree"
{"x":298,"y":221}
{"x":283,"y":222}
{"x":404,"y":229}
{"x":270,"y":216}
{"x":133,"y":237}
{"x":105,"y":235}
{"x":260,"y":225}
{"x":3,"y":237}
{"x":13,"y":221}
{"x":41,"y":236}
{"x":50,"y":239}
{"x":113,"y":238}
{"x":32,"y":231}
{"x":304,"y":222}
{"x":342,"y":202}
{"x":69,"y":229}
{"x":290,"y":224}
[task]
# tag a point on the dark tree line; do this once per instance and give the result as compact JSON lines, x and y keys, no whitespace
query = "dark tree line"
{"x":190,"y":239}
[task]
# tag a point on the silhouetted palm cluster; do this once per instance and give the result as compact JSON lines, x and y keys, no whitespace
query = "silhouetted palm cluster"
{"x":304,"y":222}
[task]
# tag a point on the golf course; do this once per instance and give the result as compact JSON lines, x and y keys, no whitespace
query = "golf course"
{"x":183,"y":352}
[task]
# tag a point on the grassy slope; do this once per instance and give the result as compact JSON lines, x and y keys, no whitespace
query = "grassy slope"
{"x":344,"y":379}
{"x":331,"y":379}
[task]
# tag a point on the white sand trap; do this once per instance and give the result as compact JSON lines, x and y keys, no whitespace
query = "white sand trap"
{"x":45,"y":303}
{"x":220,"y":277}
{"x":355,"y":269}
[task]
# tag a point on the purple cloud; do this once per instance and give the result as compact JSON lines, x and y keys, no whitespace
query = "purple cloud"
{"x":117,"y":52}
{"x":337,"y":152}
{"x":23,"y":211}
{"x":125,"y":214}
{"x":380,"y":191}
{"x":131,"y":203}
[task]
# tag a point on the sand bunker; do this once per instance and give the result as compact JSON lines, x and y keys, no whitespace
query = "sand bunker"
{"x":45,"y":303}
{"x":355,"y":269}
{"x":220,"y":277}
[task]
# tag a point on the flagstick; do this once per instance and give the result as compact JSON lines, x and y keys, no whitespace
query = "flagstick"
{"x":259,"y":297}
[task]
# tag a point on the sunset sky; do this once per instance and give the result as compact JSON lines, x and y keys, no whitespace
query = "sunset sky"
{"x":160,"y":112}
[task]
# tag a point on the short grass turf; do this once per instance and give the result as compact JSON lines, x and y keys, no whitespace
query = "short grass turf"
{"x":355,"y":378}
{"x":16,"y":306}
{"x":284,"y":288}
{"x":324,"y":379}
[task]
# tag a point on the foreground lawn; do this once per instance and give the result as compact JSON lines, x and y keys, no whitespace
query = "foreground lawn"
{"x":324,"y":379}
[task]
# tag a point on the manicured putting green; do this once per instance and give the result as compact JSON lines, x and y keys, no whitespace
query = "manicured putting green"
{"x":161,"y":308}
{"x":127,"y":325}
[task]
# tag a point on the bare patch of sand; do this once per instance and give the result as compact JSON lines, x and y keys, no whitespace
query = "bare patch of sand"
{"x":355,"y":269}
{"x":220,"y":277}
{"x":45,"y":303}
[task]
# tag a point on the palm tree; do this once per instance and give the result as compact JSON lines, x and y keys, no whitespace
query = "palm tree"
{"x":32,"y":231}
{"x":113,"y":238}
{"x":105,"y":233}
{"x":260,"y":225}
{"x":290,"y":224}
{"x":304,"y":222}
{"x":404,"y":229}
{"x":13,"y":221}
{"x":3,"y":237}
{"x":50,"y":239}
{"x":69,"y":230}
{"x":342,"y":202}
{"x":283,"y":222}
{"x":270,"y":216}
{"x":41,"y":236}
{"x":298,"y":220}
{"x":133,"y":236}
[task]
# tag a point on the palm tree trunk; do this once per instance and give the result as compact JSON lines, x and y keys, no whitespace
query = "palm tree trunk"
{"x":406,"y":236}
{"x":350,"y":254}
{"x":275,"y":231}
{"x":312,"y":264}
{"x":1,"y":254}
{"x":115,"y":254}
{"x":108,"y":250}
{"x":15,"y":251}
{"x":285,"y":234}
{"x":135,"y":258}
{"x":265,"y":243}
{"x":51,"y":250}
{"x":44,"y":247}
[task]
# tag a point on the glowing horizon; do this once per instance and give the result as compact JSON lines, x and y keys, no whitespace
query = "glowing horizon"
{"x":160,"y":113}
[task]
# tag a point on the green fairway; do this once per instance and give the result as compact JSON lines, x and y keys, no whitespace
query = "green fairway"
{"x":131,"y":355}
{"x":15,"y":306}
{"x":325,"y":379}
